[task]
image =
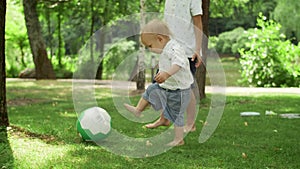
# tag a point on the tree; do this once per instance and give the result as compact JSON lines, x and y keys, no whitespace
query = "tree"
{"x":100,"y":46}
{"x":60,"y":43}
{"x":3,"y":109}
{"x":227,"y":15}
{"x":43,"y":66}
{"x":287,"y":14}
{"x":201,"y":71}
{"x":140,"y":83}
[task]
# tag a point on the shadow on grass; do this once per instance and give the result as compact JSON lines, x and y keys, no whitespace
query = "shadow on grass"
{"x":6,"y":156}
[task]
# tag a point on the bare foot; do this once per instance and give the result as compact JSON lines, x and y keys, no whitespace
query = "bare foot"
{"x":157,"y":123}
{"x":133,"y":110}
{"x":176,"y":143}
{"x":188,"y":128}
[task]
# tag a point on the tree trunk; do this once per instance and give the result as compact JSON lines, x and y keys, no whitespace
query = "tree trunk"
{"x":21,"y":46}
{"x":100,"y":44}
{"x":3,"y":109}
{"x":140,"y":83}
{"x":60,"y":42}
{"x":49,"y":36}
{"x":43,"y":66}
{"x":201,"y":71}
{"x":100,"y":41}
{"x":92,"y":31}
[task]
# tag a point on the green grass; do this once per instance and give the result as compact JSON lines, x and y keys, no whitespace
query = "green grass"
{"x":43,"y":133}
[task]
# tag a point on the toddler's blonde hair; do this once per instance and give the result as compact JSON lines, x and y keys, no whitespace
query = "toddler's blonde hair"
{"x":156,"y":27}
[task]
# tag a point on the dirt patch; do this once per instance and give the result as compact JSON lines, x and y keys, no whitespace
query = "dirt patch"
{"x":21,"y":133}
{"x":24,"y":101}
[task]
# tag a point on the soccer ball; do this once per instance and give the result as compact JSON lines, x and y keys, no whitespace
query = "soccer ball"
{"x":94,"y":124}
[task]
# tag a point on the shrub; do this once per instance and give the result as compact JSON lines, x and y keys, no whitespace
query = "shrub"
{"x":270,"y":60}
{"x":229,"y":42}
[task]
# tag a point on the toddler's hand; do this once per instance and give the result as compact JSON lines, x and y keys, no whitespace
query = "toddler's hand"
{"x":161,"y":77}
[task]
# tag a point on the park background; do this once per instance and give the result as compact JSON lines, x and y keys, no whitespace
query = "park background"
{"x":257,"y":42}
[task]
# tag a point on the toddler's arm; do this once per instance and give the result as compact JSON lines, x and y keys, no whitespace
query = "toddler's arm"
{"x":163,"y":76}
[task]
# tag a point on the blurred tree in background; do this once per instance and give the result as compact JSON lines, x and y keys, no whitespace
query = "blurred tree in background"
{"x":43,"y":66}
{"x":288,"y":15}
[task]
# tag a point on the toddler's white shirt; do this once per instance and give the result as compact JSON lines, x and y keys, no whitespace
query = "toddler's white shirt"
{"x":173,"y":53}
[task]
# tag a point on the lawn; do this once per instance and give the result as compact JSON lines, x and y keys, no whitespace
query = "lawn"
{"x":43,"y":133}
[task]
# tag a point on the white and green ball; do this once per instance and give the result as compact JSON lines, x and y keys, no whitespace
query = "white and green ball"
{"x":94,"y":124}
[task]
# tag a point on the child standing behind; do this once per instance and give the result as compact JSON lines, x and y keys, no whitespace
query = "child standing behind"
{"x":171,"y":93}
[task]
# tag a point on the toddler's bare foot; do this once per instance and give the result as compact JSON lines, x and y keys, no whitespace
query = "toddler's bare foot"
{"x":157,"y":123}
{"x":176,"y":143}
{"x":133,"y":110}
{"x":188,"y":128}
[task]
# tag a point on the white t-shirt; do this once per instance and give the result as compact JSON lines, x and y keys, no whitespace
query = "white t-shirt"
{"x":179,"y":17}
{"x":173,"y":53}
